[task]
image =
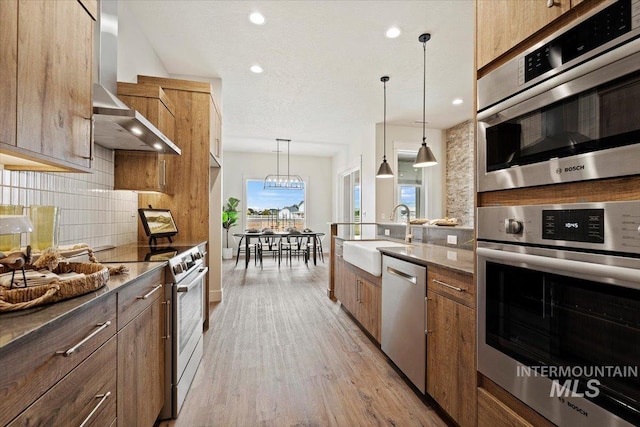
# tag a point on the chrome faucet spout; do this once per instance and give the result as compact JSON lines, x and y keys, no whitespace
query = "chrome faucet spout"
{"x":407,"y":236}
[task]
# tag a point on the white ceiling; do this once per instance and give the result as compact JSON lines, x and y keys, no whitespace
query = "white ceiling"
{"x":322,"y":65}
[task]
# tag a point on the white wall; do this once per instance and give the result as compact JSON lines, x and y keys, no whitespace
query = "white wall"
{"x":315,"y":171}
{"x":135,"y":54}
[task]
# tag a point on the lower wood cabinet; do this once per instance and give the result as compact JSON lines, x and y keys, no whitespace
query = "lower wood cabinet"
{"x":102,"y":363}
{"x":360,"y":293}
{"x":87,"y":396}
{"x":493,"y":413}
{"x":141,"y":337}
{"x":451,"y":345}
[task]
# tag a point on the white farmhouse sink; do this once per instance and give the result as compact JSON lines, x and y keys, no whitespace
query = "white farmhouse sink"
{"x":363,"y":254}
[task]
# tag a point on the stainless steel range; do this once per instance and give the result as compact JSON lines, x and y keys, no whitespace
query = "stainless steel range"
{"x":186,"y":273}
{"x":559,"y":309}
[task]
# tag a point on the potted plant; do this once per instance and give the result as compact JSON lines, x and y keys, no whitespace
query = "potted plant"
{"x":229,"y":219}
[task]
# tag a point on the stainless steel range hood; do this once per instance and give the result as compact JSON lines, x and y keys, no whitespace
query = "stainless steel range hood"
{"x":116,"y":125}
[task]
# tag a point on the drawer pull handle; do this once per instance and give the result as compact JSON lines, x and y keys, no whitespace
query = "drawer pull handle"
{"x":102,"y":398}
{"x":148,"y":294}
{"x":448,"y":285}
{"x":101,"y":327}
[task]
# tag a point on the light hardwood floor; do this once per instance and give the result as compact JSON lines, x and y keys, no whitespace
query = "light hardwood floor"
{"x":280,"y":353}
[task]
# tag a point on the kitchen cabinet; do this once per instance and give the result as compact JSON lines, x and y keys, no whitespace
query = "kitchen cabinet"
{"x":48,"y":86}
{"x":196,"y":202}
{"x":360,"y":293}
{"x":494,"y":413}
{"x":84,"y":397}
{"x":142,"y":331}
{"x":39,"y":362}
{"x":451,"y":343}
{"x":143,"y":170}
{"x":503,"y":24}
{"x":215,"y":144}
{"x":8,"y":71}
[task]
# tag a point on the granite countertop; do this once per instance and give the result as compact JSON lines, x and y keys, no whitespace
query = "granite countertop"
{"x":426,"y":254}
{"x":18,"y":324}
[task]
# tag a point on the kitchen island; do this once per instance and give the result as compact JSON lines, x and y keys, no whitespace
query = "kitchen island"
{"x":449,"y":317}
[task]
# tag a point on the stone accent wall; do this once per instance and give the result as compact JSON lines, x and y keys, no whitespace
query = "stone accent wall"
{"x":460,"y":169}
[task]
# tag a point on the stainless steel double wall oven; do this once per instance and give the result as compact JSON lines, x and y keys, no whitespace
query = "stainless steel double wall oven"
{"x":567,"y":109}
{"x":559,"y":284}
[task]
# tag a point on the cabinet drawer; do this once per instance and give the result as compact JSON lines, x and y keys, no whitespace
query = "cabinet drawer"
{"x":87,"y":394}
{"x":455,"y":285}
{"x":38,"y":361}
{"x":135,"y":297}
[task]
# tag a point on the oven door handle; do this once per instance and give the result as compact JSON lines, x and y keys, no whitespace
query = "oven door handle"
{"x":201,"y":273}
{"x":587,"y":270}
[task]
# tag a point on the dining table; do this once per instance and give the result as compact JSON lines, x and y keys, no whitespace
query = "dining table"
{"x":248,"y":235}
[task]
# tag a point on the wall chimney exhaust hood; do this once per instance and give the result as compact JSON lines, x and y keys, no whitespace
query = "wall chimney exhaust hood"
{"x":116,"y":125}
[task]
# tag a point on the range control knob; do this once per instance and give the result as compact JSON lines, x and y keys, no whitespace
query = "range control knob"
{"x":512,"y":226}
{"x":177,"y":269}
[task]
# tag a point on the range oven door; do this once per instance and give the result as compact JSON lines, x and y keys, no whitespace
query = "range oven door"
{"x":561,"y":332}
{"x":584,"y":128}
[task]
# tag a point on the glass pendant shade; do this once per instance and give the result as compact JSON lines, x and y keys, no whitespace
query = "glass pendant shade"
{"x":385,"y":170}
{"x":425,"y":156}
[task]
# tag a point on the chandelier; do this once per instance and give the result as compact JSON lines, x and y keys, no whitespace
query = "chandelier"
{"x":279,"y":181}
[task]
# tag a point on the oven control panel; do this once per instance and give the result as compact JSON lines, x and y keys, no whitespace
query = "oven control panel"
{"x":606,"y":226}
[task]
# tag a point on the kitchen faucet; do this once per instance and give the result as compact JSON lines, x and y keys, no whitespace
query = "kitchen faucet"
{"x":407,"y":236}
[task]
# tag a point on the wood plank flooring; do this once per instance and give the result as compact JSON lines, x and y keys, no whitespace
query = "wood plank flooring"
{"x":280,"y":353}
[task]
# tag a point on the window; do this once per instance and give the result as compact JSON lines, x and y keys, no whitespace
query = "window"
{"x":274,"y":209}
{"x":351,"y":198}
{"x":410,"y":189}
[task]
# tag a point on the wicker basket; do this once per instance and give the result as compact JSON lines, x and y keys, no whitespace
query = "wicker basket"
{"x":96,"y":276}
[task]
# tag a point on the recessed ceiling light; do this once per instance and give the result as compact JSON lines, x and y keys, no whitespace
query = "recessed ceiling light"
{"x":457,"y":101}
{"x":393,"y":32}
{"x":256,"y":18}
{"x":256,"y":69}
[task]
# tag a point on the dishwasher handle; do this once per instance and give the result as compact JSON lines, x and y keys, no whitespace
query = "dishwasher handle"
{"x":403,"y":275}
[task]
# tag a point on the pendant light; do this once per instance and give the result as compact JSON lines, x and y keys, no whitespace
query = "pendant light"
{"x":385,"y":170}
{"x":282,"y":182}
{"x":425,"y":157}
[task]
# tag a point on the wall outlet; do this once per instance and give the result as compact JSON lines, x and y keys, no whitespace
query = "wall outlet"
{"x":452,"y":239}
{"x":387,"y":232}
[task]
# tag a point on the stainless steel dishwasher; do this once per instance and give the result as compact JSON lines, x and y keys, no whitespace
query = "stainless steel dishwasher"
{"x":404,"y":287}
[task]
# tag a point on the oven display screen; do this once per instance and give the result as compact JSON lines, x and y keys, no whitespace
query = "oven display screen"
{"x":576,"y":225}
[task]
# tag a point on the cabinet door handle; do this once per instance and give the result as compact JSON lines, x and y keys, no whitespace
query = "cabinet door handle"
{"x":163,"y":173}
{"x":148,"y":294}
{"x":167,"y":319}
{"x":91,"y":138}
{"x":102,"y":398}
{"x":448,"y":285}
{"x":101,"y":327}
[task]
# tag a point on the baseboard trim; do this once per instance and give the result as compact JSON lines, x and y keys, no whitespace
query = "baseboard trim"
{"x":215,"y":296}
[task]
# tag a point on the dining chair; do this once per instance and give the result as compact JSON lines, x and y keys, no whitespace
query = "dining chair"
{"x":319,"y":237}
{"x":256,"y":247}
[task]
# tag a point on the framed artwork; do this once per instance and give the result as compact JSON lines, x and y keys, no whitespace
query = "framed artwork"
{"x":158,"y":223}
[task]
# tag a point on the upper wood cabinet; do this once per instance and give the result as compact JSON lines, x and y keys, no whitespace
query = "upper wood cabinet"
{"x":502,"y":24}
{"x":47,"y":107}
{"x":8,"y":71}
{"x":143,"y":170}
{"x":215,"y":145}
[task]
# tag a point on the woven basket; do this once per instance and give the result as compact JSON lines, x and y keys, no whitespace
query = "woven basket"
{"x":96,"y":276}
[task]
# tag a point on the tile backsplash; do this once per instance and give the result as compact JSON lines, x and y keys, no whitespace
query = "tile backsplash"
{"x":91,"y":211}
